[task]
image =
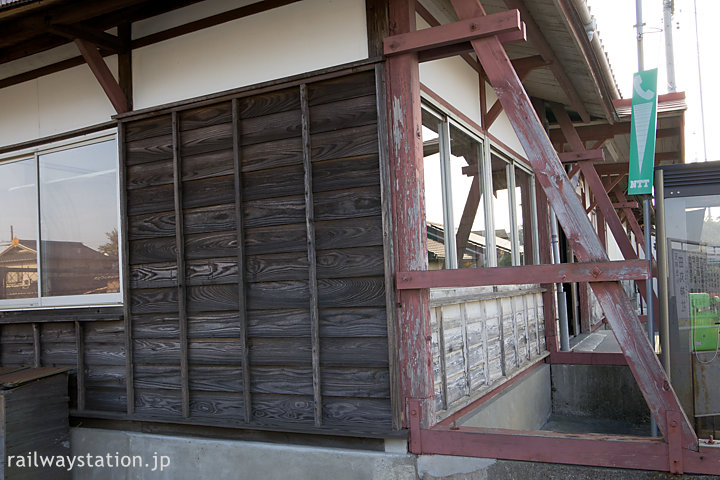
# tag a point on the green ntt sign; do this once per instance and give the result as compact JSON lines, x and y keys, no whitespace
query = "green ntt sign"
{"x":642,"y":132}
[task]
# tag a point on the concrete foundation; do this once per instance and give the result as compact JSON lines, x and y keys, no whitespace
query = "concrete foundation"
{"x":194,"y":458}
{"x":526,"y":405}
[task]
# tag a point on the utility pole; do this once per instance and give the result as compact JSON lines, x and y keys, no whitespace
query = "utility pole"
{"x":668,"y":10}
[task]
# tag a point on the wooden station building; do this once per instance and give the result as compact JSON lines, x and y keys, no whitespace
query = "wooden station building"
{"x":333,"y":216}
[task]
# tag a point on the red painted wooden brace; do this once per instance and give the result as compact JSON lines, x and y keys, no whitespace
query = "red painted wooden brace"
{"x":587,"y":247}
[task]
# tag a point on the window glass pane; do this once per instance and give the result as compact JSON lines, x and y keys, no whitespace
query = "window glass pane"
{"x":434,"y":218}
{"x":467,"y":198}
{"x":524,"y":208}
{"x":501,"y":211}
{"x":78,"y":220}
{"x":18,"y":227}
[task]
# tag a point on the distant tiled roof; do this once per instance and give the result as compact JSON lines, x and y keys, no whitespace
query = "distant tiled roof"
{"x":13,"y":3}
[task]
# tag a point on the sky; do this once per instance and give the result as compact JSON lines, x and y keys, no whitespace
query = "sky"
{"x":616,"y":26}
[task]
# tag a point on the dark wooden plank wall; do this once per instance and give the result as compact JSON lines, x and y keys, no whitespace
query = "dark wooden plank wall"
{"x":90,"y":341}
{"x":265,"y":182}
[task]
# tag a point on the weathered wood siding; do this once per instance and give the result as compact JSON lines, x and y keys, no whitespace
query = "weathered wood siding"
{"x":255,"y":292}
{"x":88,"y":340}
{"x":256,"y":264}
{"x":482,"y":337}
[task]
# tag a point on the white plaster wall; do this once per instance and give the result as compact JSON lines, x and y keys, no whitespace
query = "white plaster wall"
{"x":293,"y":39}
{"x":290,"y":40}
{"x":52,"y":104}
{"x":456,"y":82}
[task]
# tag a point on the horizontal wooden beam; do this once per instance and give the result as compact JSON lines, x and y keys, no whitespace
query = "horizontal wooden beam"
{"x":615,"y":451}
{"x":561,"y":273}
{"x":592,"y":155}
{"x":625,"y":205}
{"x":99,"y":38}
{"x":605,"y":131}
{"x":454,"y":33}
{"x":587,"y":358}
{"x":465,"y":48}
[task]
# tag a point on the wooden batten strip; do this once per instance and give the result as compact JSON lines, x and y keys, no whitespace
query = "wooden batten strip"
{"x":36,"y":344}
{"x":501,"y":324}
{"x":127,"y":319}
{"x":80,"y":347}
{"x":312,"y":261}
{"x":443,"y":357}
{"x":242,"y":290}
{"x":180,"y":255}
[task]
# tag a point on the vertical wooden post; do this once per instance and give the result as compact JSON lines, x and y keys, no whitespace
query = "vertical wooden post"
{"x":561,"y":195}
{"x":545,"y":250}
{"x":410,"y":243}
{"x":125,"y":77}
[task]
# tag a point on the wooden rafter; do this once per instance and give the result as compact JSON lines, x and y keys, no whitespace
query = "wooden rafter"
{"x":541,"y":44}
{"x":603,"y":132}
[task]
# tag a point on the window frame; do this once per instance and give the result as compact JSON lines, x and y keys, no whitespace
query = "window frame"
{"x":40,"y":302}
{"x":488,"y":149}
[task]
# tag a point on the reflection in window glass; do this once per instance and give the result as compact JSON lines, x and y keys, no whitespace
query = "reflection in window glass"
{"x":467,"y":198}
{"x":434,"y":216}
{"x":523,"y":208}
{"x":18,"y":227}
{"x":78,"y":220}
{"x":502,"y":210}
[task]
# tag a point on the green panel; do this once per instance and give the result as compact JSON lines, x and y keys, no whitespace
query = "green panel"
{"x":705,"y":322}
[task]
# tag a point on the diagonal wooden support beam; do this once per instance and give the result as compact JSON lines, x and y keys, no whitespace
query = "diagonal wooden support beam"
{"x":608,"y":187}
{"x":103,"y":75}
{"x":523,"y":67}
{"x":468,"y":217}
{"x":454,"y":33}
{"x":586,"y":245}
{"x":567,"y":127}
{"x":632,"y":220}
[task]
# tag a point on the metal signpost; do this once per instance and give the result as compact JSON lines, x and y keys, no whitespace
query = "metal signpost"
{"x":642,"y":166}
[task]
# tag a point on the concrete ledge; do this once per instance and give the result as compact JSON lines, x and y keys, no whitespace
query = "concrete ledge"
{"x":196,"y":458}
{"x":526,"y":405}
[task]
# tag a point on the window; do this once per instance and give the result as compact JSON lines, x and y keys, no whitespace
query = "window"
{"x":67,"y":197}
{"x":466,"y":227}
